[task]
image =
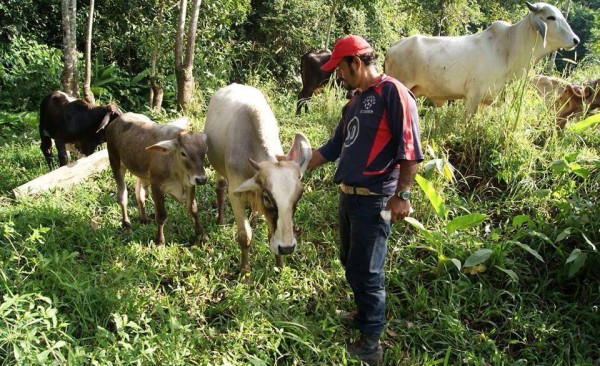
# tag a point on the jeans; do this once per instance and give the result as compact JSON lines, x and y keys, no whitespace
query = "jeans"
{"x":363,"y":247}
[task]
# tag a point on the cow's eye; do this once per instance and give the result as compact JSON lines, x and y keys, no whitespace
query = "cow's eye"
{"x":551,"y":17}
{"x":183,"y":154}
{"x":267,"y":201}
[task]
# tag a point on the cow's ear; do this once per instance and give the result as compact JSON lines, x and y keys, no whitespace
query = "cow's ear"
{"x":301,"y":152}
{"x":575,"y":90}
{"x":542,"y":29}
{"x":164,"y":147}
{"x":249,"y":186}
{"x":104,"y":121}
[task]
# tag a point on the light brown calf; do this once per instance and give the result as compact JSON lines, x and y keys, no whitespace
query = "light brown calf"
{"x":167,"y":158}
{"x":577,"y":99}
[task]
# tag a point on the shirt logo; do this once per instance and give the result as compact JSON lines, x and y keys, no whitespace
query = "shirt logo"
{"x":352,"y":132}
{"x":369,"y":102}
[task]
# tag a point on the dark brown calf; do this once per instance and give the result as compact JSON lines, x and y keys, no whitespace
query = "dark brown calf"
{"x":68,"y":120}
{"x":577,"y":99}
{"x":313,"y":78}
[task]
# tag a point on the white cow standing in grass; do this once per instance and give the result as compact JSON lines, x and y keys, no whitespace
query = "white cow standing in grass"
{"x":477,"y":67}
{"x":243,"y":145}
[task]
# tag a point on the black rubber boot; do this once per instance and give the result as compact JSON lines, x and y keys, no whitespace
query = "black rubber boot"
{"x":367,"y":348}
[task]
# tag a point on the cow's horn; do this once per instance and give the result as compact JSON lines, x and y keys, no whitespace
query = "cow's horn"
{"x":254,"y":163}
{"x":532,"y":7}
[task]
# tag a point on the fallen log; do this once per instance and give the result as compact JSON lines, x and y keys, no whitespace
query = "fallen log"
{"x":65,"y":176}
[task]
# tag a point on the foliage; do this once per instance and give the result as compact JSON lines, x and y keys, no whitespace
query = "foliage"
{"x":28,"y":71}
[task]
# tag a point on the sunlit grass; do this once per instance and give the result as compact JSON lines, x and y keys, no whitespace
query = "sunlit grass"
{"x":77,"y":290}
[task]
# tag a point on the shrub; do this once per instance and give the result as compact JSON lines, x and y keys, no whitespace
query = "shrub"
{"x":28,"y":71}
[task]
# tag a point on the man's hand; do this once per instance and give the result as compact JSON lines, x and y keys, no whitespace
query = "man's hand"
{"x":399,"y":208}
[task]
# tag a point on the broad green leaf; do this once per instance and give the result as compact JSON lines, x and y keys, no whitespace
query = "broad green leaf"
{"x":449,"y":172}
{"x":558,"y":166}
{"x":520,"y":220}
{"x":574,"y":255}
{"x":540,"y":235}
{"x":416,"y":223}
{"x":42,"y":356}
{"x":528,"y":249}
{"x":59,"y":344}
{"x":510,"y":273}
{"x":562,"y":236}
{"x":585,"y":124}
{"x":465,"y":222}
{"x":436,"y":200}
{"x":431,"y":166}
{"x":578,"y":259}
{"x":571,"y":157}
{"x":478,"y":257}
{"x":456,"y":263}
{"x":582,"y":172}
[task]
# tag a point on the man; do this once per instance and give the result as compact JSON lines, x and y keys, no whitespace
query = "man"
{"x":378,"y":145}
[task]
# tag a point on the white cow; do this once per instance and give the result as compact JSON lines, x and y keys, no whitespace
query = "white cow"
{"x":477,"y":67}
{"x":243,"y":145}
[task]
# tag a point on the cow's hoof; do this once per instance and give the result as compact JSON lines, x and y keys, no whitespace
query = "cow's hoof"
{"x":126,"y":228}
{"x":160,"y":241}
{"x":145,"y":220}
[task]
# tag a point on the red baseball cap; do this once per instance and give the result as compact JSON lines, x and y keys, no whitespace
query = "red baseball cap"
{"x":346,"y":46}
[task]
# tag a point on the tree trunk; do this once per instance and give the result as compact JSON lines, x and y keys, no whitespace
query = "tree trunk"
{"x":184,"y":66}
{"x":156,"y":90}
{"x":69,"y":77}
{"x":87,"y":91}
{"x":156,"y":94}
{"x":331,"y":16}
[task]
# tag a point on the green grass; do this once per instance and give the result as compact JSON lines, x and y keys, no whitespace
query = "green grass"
{"x":76,"y":290}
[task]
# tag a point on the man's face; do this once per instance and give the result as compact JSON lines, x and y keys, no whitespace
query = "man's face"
{"x":346,"y":73}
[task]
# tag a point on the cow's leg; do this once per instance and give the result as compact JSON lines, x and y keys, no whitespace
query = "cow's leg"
{"x":193,"y":210}
{"x":303,"y":98}
{"x":472,"y":101}
{"x":46,"y":147}
{"x":244,"y":233}
{"x":160,"y":214}
{"x":63,"y":158}
{"x":119,"y":175}
{"x":221,"y":190}
{"x":140,"y":196}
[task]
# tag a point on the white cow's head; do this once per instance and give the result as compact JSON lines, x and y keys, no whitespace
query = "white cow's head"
{"x":275,"y":190}
{"x":552,"y":26}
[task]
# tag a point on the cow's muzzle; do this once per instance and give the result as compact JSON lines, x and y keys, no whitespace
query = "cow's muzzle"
{"x":200,"y":180}
{"x":286,"y":250}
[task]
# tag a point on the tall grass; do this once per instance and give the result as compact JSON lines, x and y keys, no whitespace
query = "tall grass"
{"x":76,"y":290}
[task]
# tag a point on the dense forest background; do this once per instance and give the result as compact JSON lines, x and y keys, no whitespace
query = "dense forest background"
{"x":236,"y":39}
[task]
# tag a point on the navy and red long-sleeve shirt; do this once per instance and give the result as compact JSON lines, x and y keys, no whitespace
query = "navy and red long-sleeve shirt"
{"x":379,"y":128}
